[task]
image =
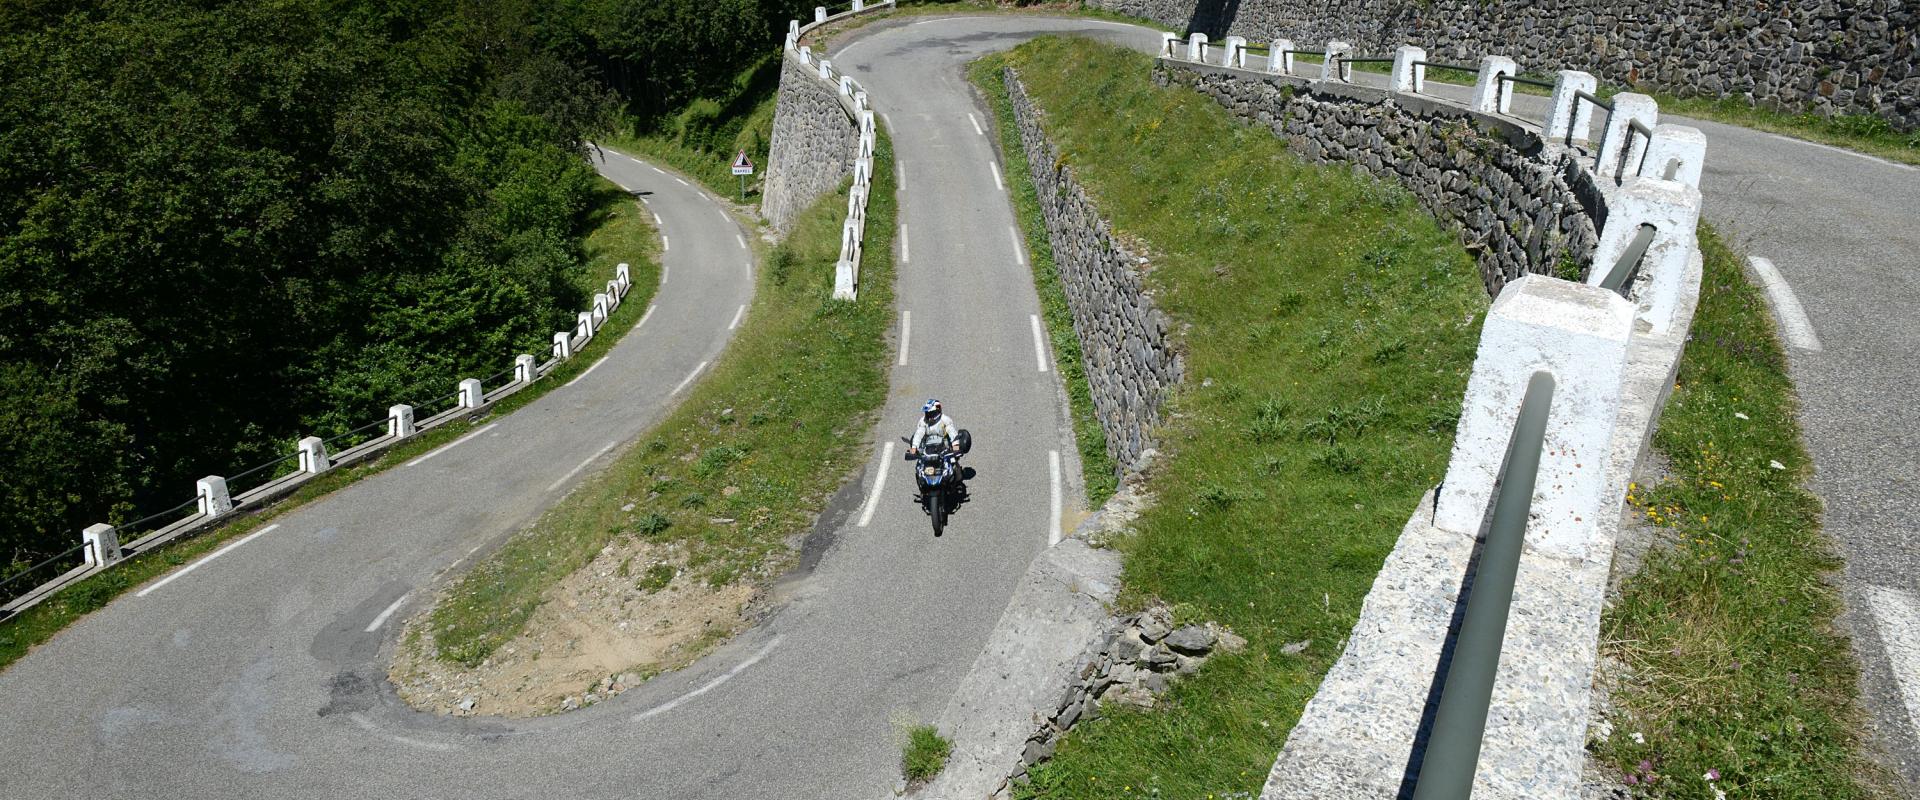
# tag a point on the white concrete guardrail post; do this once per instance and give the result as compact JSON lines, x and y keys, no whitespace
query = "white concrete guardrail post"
{"x":523,"y":367}
{"x":1409,"y":77}
{"x":1332,"y":67}
{"x":600,"y":309}
{"x":846,"y":87}
{"x":614,"y":291}
{"x":1676,"y":153}
{"x":1236,"y":52}
{"x":1280,"y":58}
{"x":471,"y":393}
{"x":793,"y":28}
{"x":826,"y":70}
{"x":562,"y":345}
{"x":1169,"y":44}
{"x":1580,"y":335}
{"x":793,"y":42}
{"x":213,"y":499}
{"x":819,"y":14}
{"x":1619,"y":145}
{"x":313,"y":455}
{"x":1197,"y":47}
{"x":1673,"y":209}
{"x":583,"y":326}
{"x":103,"y":544}
{"x":400,"y":420}
{"x":1490,"y":94}
{"x":623,"y":273}
{"x":859,"y":6}
{"x":1569,"y":116}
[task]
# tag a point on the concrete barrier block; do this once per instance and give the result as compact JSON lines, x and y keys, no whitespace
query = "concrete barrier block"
{"x":562,"y":345}
{"x":1490,"y":94}
{"x":846,"y":87}
{"x":1197,"y":47}
{"x":844,"y":281}
{"x":793,"y":42}
{"x":861,"y":101}
{"x":1409,"y":77}
{"x":623,"y":273}
{"x":1280,"y":58}
{"x":400,"y":420}
{"x":1673,"y":209}
{"x":1333,"y":68}
{"x":1620,"y":146}
{"x":212,"y":497}
{"x":1169,"y":44}
{"x":103,"y":544}
{"x":806,"y":55}
{"x":793,"y":28}
{"x":1677,"y":153}
{"x":313,"y":455}
{"x":1580,"y":335}
{"x":859,"y":6}
{"x":819,"y":14}
{"x":523,"y":368}
{"x":1234,"y":52}
{"x":613,"y":294}
{"x":826,"y":70}
{"x":1568,"y":116}
{"x":472,"y":394}
{"x":584,"y":326}
{"x":601,"y":305}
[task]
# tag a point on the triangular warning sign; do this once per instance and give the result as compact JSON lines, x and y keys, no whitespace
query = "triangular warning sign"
{"x":741,"y":161}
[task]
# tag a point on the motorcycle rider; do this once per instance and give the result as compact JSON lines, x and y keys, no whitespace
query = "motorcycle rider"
{"x":933,"y":421}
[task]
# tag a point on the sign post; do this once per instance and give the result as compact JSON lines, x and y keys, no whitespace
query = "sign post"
{"x":742,"y":166}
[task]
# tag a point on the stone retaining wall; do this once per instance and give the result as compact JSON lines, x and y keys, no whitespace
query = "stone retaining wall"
{"x":813,"y":147}
{"x":1131,"y":363}
{"x":1518,"y":208}
{"x":1824,"y":56}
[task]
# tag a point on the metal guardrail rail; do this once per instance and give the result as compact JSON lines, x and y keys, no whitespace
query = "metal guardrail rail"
{"x":1460,"y":721}
{"x":1621,"y":275}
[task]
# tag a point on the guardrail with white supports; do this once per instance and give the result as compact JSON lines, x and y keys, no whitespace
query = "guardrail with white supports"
{"x":853,"y":100}
{"x":102,"y":545}
{"x":1607,"y":347}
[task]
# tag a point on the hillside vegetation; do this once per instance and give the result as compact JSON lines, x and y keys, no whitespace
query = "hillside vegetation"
{"x":1332,"y":327}
{"x":227,"y":225}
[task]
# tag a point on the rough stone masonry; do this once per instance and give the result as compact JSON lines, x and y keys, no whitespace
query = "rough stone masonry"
{"x":814,"y":143}
{"x":1131,"y":362}
{"x":1823,"y":56}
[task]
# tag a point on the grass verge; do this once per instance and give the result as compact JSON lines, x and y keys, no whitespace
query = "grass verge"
{"x":623,"y":233}
{"x":1733,"y":665}
{"x":1096,"y":464}
{"x":745,"y":463}
{"x":1332,"y":327}
{"x":924,"y":754}
{"x":702,"y":138}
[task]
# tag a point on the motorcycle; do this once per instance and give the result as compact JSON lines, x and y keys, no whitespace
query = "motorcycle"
{"x":938,"y":475}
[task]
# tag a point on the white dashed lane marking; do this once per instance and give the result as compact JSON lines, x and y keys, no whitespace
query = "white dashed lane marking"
{"x":903,"y":243}
{"x":583,"y":465}
{"x":688,"y":379}
{"x":1898,"y":615}
{"x":1039,"y":343}
{"x":976,"y":124}
{"x":737,"y":314}
{"x":997,"y":184}
{"x":879,"y":484}
{"x":1786,"y":306}
{"x":388,"y":612}
{"x":202,"y":562}
{"x":453,"y":444}
{"x":1053,"y":514}
{"x":906,"y":334}
{"x":583,"y":373}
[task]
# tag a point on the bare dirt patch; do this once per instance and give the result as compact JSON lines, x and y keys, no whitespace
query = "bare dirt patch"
{"x":634,"y":612}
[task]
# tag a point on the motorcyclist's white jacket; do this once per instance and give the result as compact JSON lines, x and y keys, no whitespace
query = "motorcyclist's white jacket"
{"x":943,"y":426}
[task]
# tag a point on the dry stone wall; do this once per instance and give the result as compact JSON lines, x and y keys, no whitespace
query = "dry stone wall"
{"x":1519,"y":208}
{"x":1131,"y":363}
{"x":1824,"y":56}
{"x":814,"y":143}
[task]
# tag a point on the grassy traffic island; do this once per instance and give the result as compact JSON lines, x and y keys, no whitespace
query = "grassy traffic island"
{"x":653,"y":561}
{"x":1330,"y":326}
{"x":621,"y":232}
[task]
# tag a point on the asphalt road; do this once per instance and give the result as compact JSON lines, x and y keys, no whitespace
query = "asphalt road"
{"x":256,"y":677}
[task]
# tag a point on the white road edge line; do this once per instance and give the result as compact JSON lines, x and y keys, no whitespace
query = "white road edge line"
{"x":664,"y":244}
{"x":679,"y":181}
{"x":1786,"y":306}
{"x":645,"y":317}
{"x":879,"y":485}
{"x":1899,"y":616}
{"x":656,"y":220}
{"x":652,"y":167}
{"x":976,"y":124}
{"x":737,"y":314}
{"x":453,"y":444}
{"x":899,"y":167}
{"x":388,"y":612}
{"x":202,"y":562}
{"x":1053,"y":514}
{"x":903,"y":243}
{"x":906,"y":335}
{"x":1019,"y":247}
{"x":709,"y":685}
{"x":1039,"y":343}
{"x":741,"y":239}
{"x":583,"y":465}
{"x":996,"y":176}
{"x":665,"y":269}
{"x":583,"y":373}
{"x":1844,"y":151}
{"x":688,"y":379}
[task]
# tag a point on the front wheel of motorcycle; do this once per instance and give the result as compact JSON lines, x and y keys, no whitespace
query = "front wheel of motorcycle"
{"x":936,"y":508}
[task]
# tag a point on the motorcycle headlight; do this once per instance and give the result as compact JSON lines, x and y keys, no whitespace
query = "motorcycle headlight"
{"x":932,"y":471}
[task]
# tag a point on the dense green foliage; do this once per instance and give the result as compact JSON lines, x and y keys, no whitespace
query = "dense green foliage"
{"x":1329,"y":326}
{"x":227,"y":225}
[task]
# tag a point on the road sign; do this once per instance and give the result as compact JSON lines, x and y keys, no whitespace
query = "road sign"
{"x":742,"y":165}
